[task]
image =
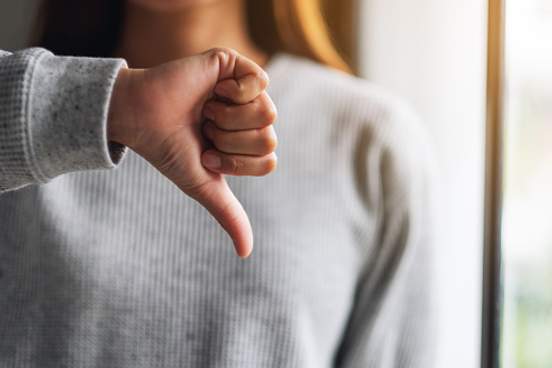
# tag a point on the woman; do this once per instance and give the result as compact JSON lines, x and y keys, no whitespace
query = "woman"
{"x":343,"y":229}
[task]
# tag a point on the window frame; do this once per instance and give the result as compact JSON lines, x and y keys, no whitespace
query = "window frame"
{"x":492,"y":253}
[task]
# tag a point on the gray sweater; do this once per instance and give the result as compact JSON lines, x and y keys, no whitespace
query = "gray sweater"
{"x":116,"y":268}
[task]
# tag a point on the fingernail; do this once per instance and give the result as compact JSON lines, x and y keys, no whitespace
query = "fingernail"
{"x":266,"y":77}
{"x":248,"y":253}
{"x":211,"y":161}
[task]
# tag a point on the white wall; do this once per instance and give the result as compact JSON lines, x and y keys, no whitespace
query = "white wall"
{"x":432,"y":52}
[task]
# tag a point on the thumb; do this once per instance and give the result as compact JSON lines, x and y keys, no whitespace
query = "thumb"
{"x":238,"y":78}
{"x":216,"y":196}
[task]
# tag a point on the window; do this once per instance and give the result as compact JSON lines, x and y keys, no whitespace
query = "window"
{"x":526,"y":335}
{"x":517,"y":318}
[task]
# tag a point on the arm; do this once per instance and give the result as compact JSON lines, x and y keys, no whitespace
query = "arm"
{"x":392,"y":323}
{"x":53,"y":116}
{"x":57,"y":113}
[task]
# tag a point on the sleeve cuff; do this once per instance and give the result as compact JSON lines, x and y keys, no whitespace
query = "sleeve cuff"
{"x":67,"y":114}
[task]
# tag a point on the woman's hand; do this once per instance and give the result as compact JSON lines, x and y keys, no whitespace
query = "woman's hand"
{"x":165,"y":113}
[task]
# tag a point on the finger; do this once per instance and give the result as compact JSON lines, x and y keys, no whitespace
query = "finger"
{"x":259,"y":113}
{"x":219,"y":200}
{"x":238,"y":165}
{"x":257,"y":142}
{"x":240,"y":79}
{"x":234,"y":65}
{"x":241,"y":91}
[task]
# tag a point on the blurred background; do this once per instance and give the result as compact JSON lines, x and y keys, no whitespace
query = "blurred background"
{"x":527,"y":225}
{"x":433,"y":53}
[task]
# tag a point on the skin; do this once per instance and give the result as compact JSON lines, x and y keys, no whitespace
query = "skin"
{"x":202,"y":115}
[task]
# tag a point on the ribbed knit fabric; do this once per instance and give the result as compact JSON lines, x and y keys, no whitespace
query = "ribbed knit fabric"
{"x":118,"y":269}
{"x":53,"y":112}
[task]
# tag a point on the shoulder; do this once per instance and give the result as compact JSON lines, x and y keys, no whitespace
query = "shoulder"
{"x":367,"y":116}
{"x":348,"y":99}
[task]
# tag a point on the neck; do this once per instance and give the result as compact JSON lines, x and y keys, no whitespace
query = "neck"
{"x":150,"y":38}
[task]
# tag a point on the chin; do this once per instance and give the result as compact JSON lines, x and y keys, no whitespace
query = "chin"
{"x":170,"y":5}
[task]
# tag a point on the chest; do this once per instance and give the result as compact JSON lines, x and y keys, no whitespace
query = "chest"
{"x":99,"y":243}
{"x":134,"y":226}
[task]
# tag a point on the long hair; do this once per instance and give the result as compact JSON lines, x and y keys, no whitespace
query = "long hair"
{"x":93,"y":28}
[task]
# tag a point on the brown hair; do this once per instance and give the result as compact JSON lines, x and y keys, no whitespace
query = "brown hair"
{"x":93,"y":27}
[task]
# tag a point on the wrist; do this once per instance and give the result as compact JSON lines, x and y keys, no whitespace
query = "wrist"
{"x":119,"y":124}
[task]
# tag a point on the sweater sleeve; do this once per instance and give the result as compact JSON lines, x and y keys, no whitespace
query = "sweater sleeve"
{"x":53,"y":116}
{"x":392,"y":323}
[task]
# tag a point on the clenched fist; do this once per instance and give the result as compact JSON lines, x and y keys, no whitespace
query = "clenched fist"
{"x":196,"y":119}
